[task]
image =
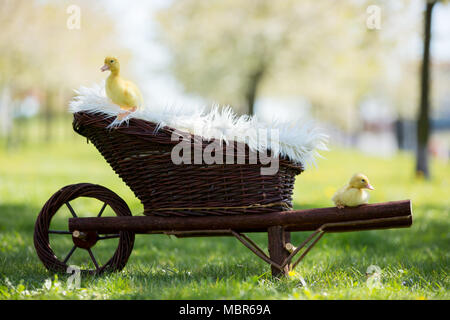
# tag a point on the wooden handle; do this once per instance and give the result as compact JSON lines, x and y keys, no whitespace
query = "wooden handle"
{"x":396,"y":214}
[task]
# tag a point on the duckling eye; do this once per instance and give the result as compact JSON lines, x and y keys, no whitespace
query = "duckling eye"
{"x":362,"y":180}
{"x":112,"y":61}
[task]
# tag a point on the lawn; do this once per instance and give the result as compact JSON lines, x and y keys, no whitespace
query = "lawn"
{"x":414,"y":262}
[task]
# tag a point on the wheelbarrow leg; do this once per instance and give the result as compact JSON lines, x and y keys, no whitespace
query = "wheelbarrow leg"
{"x":277,"y":250}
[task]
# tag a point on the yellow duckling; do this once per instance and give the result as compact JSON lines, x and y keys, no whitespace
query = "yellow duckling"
{"x":353,"y":194}
{"x":122,"y":92}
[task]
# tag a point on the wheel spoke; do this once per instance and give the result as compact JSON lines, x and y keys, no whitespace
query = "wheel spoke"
{"x":71,"y":210}
{"x":69,"y":254}
{"x":103,"y":209}
{"x":59,"y":232}
{"x":109,"y":236}
{"x":93,"y":258}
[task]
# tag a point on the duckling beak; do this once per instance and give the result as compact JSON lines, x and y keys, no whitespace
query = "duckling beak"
{"x":369,"y":186}
{"x":104,"y":68}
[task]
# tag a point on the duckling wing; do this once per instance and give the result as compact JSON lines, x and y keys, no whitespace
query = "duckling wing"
{"x":338,"y":195}
{"x":354,"y":197}
{"x":133,"y":95}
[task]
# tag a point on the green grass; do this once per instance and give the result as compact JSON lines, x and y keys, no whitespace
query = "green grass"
{"x":414,"y":261}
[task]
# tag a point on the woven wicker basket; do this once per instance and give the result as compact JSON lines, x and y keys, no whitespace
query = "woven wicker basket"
{"x":141,"y":156}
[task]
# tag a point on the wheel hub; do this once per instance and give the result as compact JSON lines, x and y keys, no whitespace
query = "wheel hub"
{"x":84,"y":239}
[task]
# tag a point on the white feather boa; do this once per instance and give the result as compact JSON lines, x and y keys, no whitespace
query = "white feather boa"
{"x":298,"y":141}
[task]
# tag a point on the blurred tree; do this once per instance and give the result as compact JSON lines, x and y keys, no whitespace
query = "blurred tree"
{"x":39,"y":53}
{"x":423,"y":121}
{"x":230,"y":51}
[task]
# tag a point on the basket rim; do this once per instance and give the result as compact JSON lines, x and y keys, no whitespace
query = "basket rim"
{"x":150,"y":131}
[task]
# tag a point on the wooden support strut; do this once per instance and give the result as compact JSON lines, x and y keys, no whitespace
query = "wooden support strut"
{"x":280,"y":257}
{"x":277,"y":249}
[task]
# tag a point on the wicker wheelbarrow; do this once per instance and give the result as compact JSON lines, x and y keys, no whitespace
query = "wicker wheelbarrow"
{"x":192,"y":200}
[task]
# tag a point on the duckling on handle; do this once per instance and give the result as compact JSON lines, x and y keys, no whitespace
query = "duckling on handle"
{"x":122,"y":92}
{"x":353,"y":194}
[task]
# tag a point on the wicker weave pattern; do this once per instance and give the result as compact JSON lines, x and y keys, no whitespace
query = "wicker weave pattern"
{"x":142,"y":158}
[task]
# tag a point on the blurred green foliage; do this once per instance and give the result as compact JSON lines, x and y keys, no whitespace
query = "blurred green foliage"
{"x":234,"y":52}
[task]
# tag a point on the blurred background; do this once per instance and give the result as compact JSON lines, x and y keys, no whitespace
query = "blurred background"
{"x":371,"y":72}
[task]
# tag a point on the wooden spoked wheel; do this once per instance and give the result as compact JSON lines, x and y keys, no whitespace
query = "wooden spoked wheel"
{"x":81,"y":240}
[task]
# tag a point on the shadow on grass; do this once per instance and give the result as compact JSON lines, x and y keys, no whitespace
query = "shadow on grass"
{"x":20,"y":218}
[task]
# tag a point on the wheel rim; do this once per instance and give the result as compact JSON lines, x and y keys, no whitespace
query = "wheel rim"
{"x":88,"y":240}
